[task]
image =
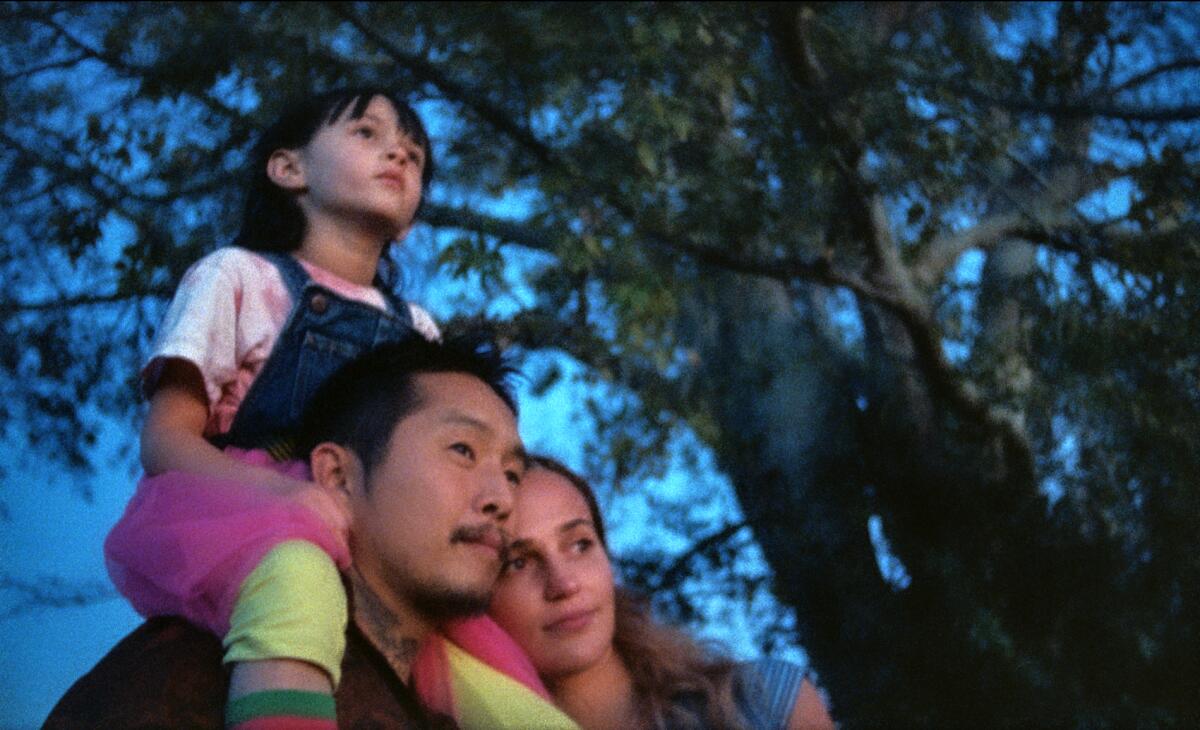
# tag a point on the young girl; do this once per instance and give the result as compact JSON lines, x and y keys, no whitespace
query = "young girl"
{"x":224,"y":530}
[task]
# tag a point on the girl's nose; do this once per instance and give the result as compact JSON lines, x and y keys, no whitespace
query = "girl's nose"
{"x":561,"y":581}
{"x":397,"y":149}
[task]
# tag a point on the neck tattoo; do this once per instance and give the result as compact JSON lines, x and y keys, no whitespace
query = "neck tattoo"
{"x":383,"y":628}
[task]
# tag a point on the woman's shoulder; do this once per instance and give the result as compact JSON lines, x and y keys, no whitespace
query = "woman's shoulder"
{"x":770,"y":669}
{"x":767,"y":690}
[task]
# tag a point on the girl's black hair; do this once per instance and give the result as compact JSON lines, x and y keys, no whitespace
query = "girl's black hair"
{"x":272,"y":219}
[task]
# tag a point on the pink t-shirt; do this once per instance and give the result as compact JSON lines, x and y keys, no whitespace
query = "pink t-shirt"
{"x":226,"y":315}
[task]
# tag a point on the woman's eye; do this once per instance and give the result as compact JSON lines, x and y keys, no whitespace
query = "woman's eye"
{"x":463,"y":449}
{"x":584,"y":544}
{"x":514,"y":478}
{"x":365,"y":132}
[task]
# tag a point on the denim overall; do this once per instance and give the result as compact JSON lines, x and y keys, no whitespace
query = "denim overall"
{"x":186,"y":542}
{"x":323,"y":332}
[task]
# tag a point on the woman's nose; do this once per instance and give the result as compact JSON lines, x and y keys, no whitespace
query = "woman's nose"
{"x":561,"y":581}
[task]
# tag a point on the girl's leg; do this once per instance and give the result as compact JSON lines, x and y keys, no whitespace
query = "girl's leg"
{"x":187,"y":543}
{"x":286,"y":639}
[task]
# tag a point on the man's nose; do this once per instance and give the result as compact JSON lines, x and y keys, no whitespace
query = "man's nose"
{"x":561,"y":581}
{"x":494,"y":498}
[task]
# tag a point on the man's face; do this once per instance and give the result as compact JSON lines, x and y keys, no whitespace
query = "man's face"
{"x":426,"y":527}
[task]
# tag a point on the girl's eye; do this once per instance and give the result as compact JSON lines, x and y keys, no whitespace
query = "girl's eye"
{"x":365,"y":132}
{"x":463,"y":449}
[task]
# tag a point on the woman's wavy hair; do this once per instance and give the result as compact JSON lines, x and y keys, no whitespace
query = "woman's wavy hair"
{"x":678,"y":683}
{"x":271,"y":217}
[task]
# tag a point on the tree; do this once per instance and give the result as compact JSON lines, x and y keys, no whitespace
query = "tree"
{"x":930,"y":268}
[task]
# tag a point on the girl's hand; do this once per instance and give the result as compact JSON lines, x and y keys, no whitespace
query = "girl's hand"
{"x":173,"y":440}
{"x":325,"y":504}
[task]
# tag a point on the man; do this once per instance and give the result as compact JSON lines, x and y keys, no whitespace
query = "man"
{"x":419,"y":440}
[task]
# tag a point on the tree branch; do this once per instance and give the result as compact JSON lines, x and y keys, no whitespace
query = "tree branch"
{"x":115,"y":62}
{"x":8,"y":308}
{"x":1081,"y":109}
{"x":941,"y":253}
{"x":85,"y":174}
{"x":443,"y":216}
{"x":51,"y":592}
{"x":63,"y":171}
{"x":895,"y":290}
{"x":1106,"y":244}
{"x":543,"y":330}
{"x":945,"y":248}
{"x":677,"y":570}
{"x":471,"y":98}
{"x":49,"y":65}
{"x":1181,"y":64}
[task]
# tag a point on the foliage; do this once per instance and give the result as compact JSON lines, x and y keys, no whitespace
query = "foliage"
{"x":931,"y":264}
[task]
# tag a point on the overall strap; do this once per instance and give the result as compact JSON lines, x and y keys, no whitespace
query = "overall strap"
{"x":294,"y":275}
{"x":323,"y":331}
{"x":398,"y":307}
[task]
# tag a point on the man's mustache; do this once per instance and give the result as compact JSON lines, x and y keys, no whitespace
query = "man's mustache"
{"x":486,"y":534}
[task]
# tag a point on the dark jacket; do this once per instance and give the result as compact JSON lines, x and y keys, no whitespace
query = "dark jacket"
{"x":168,"y":674}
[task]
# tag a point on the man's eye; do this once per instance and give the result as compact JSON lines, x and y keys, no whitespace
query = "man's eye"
{"x":464,"y":449}
{"x":514,"y":564}
{"x":583,"y":544}
{"x":365,"y":132}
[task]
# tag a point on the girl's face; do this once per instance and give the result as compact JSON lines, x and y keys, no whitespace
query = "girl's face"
{"x":555,"y":594}
{"x":364,"y":172}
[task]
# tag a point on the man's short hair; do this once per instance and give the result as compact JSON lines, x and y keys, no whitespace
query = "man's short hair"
{"x":360,"y":405}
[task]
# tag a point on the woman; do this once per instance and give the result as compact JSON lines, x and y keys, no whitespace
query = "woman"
{"x":605,"y":661}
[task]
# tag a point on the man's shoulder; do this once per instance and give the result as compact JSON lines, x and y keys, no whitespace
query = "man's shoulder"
{"x":167,"y":673}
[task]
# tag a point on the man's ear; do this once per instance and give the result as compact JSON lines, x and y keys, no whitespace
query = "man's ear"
{"x":336,"y":468}
{"x":286,"y":169}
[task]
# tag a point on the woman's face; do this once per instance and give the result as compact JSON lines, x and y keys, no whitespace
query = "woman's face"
{"x":555,"y":595}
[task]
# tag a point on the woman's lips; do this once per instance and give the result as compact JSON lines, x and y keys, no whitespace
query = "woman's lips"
{"x":571,"y":622}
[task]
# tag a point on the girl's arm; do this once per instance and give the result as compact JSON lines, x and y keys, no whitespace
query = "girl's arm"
{"x":173,"y":440}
